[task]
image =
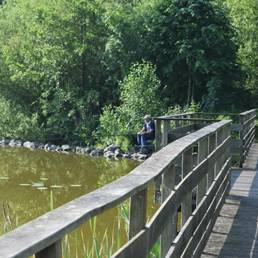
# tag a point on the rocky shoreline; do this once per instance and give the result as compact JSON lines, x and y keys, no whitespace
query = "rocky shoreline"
{"x":111,"y":152}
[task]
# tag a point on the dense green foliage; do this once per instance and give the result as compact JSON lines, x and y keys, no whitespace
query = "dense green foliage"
{"x":65,"y":63}
{"x":244,"y":15}
{"x":139,"y":96}
{"x":194,"y":53}
{"x":16,"y":124}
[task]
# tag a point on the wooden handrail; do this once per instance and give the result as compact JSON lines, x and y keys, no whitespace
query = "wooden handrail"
{"x":43,"y":235}
{"x":174,"y":116}
{"x":193,"y":177}
{"x":247,"y":132}
{"x":177,"y":126}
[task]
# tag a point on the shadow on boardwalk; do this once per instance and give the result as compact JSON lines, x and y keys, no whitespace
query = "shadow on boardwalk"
{"x":235,"y":234}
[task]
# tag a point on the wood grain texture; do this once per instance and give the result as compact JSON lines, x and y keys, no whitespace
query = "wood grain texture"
{"x":53,"y":251}
{"x":235,"y":231}
{"x":169,"y":233}
{"x":138,"y":211}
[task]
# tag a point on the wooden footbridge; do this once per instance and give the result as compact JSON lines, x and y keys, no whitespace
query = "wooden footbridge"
{"x":196,"y":179}
{"x":235,"y":233}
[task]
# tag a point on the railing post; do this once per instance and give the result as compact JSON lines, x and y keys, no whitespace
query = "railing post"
{"x":52,"y":251}
{"x":202,"y":154}
{"x":157,"y":134}
{"x":218,"y":163}
{"x":187,"y":166}
{"x":211,"y":166}
{"x":138,"y":209}
{"x":242,"y":133}
{"x":169,"y":233}
{"x":165,"y":133}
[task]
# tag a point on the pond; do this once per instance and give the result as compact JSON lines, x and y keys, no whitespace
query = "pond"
{"x":35,"y":182}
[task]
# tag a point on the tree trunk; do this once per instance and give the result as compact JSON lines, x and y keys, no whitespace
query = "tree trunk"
{"x":83,"y":60}
{"x":189,"y":90}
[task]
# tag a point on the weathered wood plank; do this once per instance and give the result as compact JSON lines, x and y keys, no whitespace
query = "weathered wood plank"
{"x":169,"y":233}
{"x":136,"y":247}
{"x":206,"y":235}
{"x":138,"y":211}
{"x":53,"y":251}
{"x":202,"y":213}
{"x":202,"y":154}
{"x":206,"y":219}
{"x":165,"y":133}
{"x":159,"y":220}
{"x":187,"y":166}
{"x":158,"y":135}
{"x":234,"y":234}
{"x":181,"y":131}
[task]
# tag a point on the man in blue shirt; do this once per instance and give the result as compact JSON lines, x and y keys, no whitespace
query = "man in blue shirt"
{"x":147,"y":132}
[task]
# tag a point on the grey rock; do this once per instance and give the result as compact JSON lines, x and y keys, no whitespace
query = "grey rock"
{"x":51,"y":147}
{"x":97,"y":153}
{"x":126,"y":155}
{"x":4,"y":142}
{"x":142,"y":156}
{"x":135,"y":155}
{"x":111,"y":147}
{"x":139,"y":156}
{"x":88,"y":150}
{"x":18,"y":143}
{"x":12,"y":143}
{"x":29,"y":145}
{"x":15,"y":143}
{"x":58,"y":148}
{"x":79,"y":150}
{"x":47,"y":146}
{"x":66,"y":147}
{"x":40,"y":146}
{"x":118,"y":153}
{"x":109,"y":154}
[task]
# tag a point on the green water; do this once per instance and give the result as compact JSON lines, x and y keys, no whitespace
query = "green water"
{"x":34,"y":182}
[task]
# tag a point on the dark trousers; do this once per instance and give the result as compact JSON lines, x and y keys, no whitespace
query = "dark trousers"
{"x":143,"y":138}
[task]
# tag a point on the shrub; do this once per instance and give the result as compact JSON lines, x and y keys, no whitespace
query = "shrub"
{"x":139,"y":96}
{"x":14,"y":123}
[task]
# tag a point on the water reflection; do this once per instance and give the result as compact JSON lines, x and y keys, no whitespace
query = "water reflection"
{"x":34,"y":182}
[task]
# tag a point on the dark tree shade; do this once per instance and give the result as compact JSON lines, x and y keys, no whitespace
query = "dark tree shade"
{"x":193,"y":48}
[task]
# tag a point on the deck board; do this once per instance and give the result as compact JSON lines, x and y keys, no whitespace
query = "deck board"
{"x":235,"y":234}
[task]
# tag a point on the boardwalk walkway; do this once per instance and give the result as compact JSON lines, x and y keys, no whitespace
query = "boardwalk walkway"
{"x":235,"y":234}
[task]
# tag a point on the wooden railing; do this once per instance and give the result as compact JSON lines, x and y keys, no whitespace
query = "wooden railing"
{"x":247,"y":132}
{"x":207,"y":176}
{"x":169,"y":128}
{"x":177,"y":125}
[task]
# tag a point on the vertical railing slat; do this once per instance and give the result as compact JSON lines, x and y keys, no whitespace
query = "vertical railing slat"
{"x":169,"y":233}
{"x":187,"y":166}
{"x":138,"y":208}
{"x":52,"y":251}
{"x":165,"y":133}
{"x":202,"y":154}
{"x":158,"y":135}
{"x":211,"y":166}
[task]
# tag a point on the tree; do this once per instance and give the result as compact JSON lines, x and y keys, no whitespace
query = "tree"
{"x":139,"y":96}
{"x":193,"y":48}
{"x":244,"y":15}
{"x":52,"y":52}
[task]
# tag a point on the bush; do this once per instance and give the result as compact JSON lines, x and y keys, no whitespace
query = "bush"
{"x":194,"y":107}
{"x":139,"y":96}
{"x":16,"y":124}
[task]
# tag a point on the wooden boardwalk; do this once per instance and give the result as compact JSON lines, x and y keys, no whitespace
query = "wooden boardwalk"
{"x":235,"y":234}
